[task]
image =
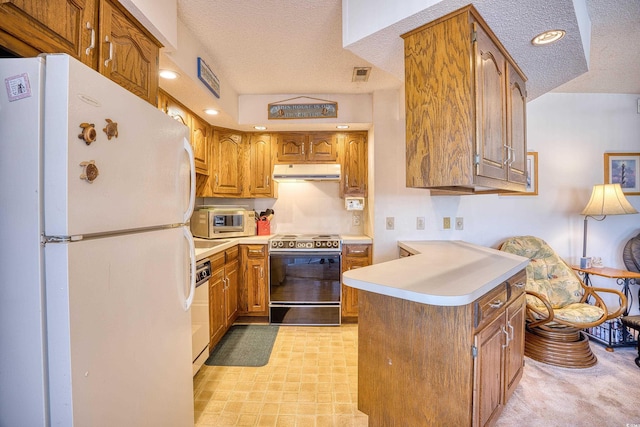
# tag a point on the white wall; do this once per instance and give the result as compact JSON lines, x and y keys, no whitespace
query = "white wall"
{"x":160,"y":17}
{"x":570,"y":132}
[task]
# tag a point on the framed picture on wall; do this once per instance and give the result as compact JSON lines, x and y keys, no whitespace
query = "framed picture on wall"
{"x":623,"y":169}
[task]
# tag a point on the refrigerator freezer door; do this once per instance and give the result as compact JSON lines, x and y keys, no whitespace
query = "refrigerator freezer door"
{"x":134,"y":172}
{"x":22,"y":370}
{"x":119,"y":336}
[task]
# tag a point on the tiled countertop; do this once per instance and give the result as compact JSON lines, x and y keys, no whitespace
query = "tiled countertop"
{"x":444,"y":273}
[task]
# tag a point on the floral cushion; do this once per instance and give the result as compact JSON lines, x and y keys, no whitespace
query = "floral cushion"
{"x":574,"y":313}
{"x":547,"y":274}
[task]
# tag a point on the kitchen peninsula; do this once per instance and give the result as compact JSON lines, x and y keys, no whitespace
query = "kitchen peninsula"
{"x":441,"y":334}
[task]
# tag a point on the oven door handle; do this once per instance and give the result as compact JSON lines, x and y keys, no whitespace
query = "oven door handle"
{"x":303,"y":254}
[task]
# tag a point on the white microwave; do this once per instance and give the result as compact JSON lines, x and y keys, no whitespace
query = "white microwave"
{"x":218,"y":223}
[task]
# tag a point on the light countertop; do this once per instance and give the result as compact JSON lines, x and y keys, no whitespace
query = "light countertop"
{"x":354,"y":239}
{"x":444,"y":273}
{"x":224,"y":244}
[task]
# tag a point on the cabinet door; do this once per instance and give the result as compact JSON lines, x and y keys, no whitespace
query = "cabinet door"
{"x":65,"y":26}
{"x":354,"y":165}
{"x":260,"y":167}
{"x":516,"y":125}
{"x":291,"y":148}
{"x":231,"y":291}
{"x":322,"y":147}
{"x":227,"y":163}
{"x":488,"y":392}
{"x":200,"y":140}
{"x":490,"y":107}
{"x":127,"y":54}
{"x":216,"y":307}
{"x":253,"y":288}
{"x":353,"y":256}
{"x":514,"y":352}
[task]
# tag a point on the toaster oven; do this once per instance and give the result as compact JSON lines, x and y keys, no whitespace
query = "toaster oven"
{"x":221,"y":222}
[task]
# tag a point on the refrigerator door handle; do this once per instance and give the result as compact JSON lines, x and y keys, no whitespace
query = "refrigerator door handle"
{"x":192,"y":173}
{"x":192,"y":270}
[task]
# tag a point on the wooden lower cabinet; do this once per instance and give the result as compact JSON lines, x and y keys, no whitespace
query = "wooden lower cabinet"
{"x":223,"y":293}
{"x":353,"y":256}
{"x":436,"y":365}
{"x":254,"y":279}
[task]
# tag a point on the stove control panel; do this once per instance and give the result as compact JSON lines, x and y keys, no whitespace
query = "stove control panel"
{"x":284,"y":244}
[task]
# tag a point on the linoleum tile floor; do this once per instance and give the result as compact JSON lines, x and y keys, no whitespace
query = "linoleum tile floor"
{"x":311,"y":380}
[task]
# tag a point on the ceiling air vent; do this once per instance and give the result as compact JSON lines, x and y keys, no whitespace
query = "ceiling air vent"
{"x":361,"y":74}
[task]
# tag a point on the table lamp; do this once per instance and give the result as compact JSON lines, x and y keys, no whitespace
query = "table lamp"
{"x":606,"y":199}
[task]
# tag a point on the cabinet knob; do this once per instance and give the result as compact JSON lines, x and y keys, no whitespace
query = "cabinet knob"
{"x":93,"y":39}
{"x":496,"y":304}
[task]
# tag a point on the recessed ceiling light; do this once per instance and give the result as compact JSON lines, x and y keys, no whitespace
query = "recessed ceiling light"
{"x":169,"y":74}
{"x":342,"y":127}
{"x":211,"y":112}
{"x":260,"y":127}
{"x":548,"y":37}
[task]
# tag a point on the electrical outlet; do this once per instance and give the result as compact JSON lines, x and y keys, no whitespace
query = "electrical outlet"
{"x":420,"y":223}
{"x":356,"y":220}
{"x":446,"y":223}
{"x":459,"y":223}
{"x":390,"y":222}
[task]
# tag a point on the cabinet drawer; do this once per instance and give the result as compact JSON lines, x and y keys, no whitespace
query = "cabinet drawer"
{"x":516,"y":284}
{"x":256,"y":251}
{"x":490,"y":304}
{"x":231,"y":254}
{"x":357,"y":250}
{"x":217,"y":261}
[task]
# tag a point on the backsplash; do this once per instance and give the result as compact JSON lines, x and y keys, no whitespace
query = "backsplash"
{"x":302,"y":207}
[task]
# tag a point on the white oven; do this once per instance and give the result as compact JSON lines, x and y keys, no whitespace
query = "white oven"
{"x":200,"y":316}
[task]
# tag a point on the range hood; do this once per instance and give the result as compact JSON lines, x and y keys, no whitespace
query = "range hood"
{"x":307,"y":172}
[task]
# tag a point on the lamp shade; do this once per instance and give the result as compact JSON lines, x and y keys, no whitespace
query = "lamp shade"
{"x":608,"y":199}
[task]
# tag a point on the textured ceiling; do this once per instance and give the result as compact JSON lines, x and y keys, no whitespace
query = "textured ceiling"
{"x":289,"y":46}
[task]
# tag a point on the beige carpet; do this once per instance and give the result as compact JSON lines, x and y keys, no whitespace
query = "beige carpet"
{"x":607,"y":394}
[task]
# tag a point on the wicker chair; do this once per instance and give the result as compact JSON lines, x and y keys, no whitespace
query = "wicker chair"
{"x":558,"y":306}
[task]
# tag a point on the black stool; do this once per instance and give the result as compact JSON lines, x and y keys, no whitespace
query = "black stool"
{"x":633,"y":322}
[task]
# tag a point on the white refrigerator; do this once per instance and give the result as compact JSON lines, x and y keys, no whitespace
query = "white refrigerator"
{"x":95,"y":257}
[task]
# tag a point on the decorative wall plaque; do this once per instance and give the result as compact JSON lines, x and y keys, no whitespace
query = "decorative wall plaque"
{"x":316,"y":110}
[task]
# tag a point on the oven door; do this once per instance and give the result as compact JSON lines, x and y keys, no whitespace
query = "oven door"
{"x":304,"y":288}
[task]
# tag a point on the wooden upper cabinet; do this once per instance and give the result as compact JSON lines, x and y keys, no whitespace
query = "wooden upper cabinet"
{"x":200,"y":131}
{"x":490,"y":106}
{"x":459,"y":135}
{"x":200,"y":136}
{"x":291,"y":147}
{"x":228,"y":158}
{"x":29,"y":27}
{"x":354,"y":165}
{"x":100,"y":33}
{"x":260,"y":166}
{"x":517,"y":126}
{"x":316,"y":147}
{"x":128,"y":54}
{"x":322,"y":147}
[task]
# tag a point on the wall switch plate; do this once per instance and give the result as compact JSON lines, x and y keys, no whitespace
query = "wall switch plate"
{"x":446,"y":223}
{"x":356,"y":219}
{"x":420,"y":223}
{"x":389,"y":222}
{"x":459,"y":223}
